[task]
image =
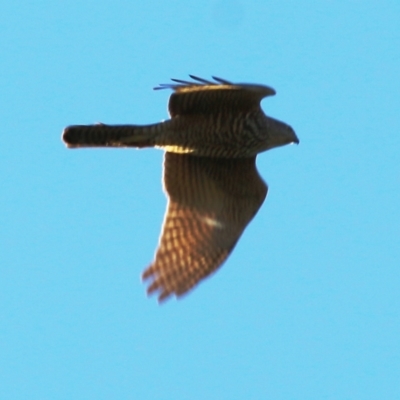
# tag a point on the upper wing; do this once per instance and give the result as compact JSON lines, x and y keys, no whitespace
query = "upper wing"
{"x":202,"y":96}
{"x":210,"y":203}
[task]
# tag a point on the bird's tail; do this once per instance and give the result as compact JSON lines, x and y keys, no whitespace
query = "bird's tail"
{"x":101,"y":135}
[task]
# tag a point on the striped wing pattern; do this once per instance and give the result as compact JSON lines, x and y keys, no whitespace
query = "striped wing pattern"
{"x":210,"y":202}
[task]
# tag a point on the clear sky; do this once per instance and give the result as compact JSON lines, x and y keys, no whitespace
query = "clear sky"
{"x":308,"y":304}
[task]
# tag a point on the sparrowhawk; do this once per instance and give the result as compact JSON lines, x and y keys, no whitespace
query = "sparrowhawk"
{"x":211,"y":141}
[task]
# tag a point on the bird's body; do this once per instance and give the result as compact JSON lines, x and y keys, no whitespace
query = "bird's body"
{"x":208,"y":135}
{"x":214,"y":190}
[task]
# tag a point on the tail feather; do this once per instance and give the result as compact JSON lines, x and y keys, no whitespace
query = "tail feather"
{"x":101,"y":135}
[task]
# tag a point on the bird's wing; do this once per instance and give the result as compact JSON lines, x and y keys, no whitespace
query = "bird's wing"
{"x":210,"y":202}
{"x":204,"y":97}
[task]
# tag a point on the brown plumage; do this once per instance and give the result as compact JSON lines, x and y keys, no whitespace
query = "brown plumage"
{"x":214,"y":190}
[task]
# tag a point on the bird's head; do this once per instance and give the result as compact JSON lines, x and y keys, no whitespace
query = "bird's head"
{"x":278,"y":134}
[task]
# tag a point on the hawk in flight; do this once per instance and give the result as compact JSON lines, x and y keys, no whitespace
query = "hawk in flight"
{"x":216,"y":130}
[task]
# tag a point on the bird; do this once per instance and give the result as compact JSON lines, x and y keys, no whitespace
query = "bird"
{"x":215,"y":132}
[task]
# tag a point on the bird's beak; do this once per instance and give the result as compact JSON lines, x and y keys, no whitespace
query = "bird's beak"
{"x":295,"y":138}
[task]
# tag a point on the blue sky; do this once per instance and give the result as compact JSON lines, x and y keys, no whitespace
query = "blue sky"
{"x":308,"y":304}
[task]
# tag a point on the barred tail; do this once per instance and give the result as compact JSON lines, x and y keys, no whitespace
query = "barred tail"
{"x":101,"y":135}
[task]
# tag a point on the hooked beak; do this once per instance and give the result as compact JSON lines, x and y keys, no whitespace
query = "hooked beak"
{"x":295,"y":139}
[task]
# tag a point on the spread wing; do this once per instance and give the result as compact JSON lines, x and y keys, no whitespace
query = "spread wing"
{"x":210,"y":202}
{"x":207,"y":97}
